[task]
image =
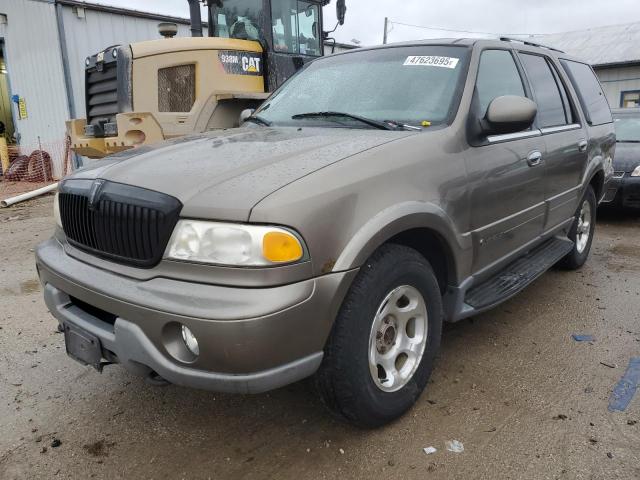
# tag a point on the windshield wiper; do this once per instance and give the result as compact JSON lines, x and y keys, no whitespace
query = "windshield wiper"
{"x":259,"y":120}
{"x":374,"y":123}
{"x":627,"y":141}
{"x":403,"y":126}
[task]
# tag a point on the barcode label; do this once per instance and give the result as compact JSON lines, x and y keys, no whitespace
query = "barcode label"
{"x":431,"y":61}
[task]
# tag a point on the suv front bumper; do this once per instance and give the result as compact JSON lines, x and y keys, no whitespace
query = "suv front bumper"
{"x":251,"y":339}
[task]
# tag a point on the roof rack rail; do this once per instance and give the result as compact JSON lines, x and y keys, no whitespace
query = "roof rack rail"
{"x":527,"y":42}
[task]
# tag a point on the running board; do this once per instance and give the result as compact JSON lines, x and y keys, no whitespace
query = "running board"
{"x":517,"y":275}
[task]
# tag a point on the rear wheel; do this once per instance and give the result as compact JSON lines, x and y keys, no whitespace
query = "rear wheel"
{"x":381,"y":351}
{"x":582,"y":232}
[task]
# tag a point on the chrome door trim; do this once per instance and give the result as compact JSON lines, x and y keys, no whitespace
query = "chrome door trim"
{"x":513,"y":136}
{"x":561,"y":128}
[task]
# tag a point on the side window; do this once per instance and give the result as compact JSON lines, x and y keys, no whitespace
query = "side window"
{"x":240,"y":19}
{"x":551,"y":108}
{"x":497,"y":76}
{"x":592,"y":98}
{"x":568,"y":108}
{"x":295,"y":27}
{"x":308,"y":37}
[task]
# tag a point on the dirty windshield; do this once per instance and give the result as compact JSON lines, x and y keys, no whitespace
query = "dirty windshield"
{"x":627,"y":127}
{"x":409,"y":85}
{"x":240,"y":19}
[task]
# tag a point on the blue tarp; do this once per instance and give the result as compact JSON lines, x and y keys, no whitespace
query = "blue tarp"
{"x":626,"y":388}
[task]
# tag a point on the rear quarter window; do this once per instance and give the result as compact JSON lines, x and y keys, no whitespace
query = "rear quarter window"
{"x":594,"y":102}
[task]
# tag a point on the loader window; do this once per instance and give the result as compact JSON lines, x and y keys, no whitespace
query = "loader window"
{"x":296,"y":27}
{"x":240,"y":19}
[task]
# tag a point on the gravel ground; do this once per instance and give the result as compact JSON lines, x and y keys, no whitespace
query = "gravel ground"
{"x":525,"y":400}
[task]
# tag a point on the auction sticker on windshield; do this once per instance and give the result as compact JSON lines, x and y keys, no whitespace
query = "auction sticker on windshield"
{"x":431,"y":61}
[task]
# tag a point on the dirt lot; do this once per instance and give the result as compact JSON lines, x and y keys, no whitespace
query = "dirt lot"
{"x":525,"y":399}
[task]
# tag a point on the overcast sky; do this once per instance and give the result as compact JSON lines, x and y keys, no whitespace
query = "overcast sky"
{"x":365,"y":18}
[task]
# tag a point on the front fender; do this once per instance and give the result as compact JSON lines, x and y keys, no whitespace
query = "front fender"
{"x":401,"y":218}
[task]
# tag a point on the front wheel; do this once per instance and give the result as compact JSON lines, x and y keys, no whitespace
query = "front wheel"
{"x":582,"y":231}
{"x":382,"y":348}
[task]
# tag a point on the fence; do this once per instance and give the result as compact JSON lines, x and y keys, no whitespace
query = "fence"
{"x":35,"y":166}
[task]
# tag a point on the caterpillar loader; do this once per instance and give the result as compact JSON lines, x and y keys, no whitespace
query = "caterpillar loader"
{"x":149,"y":91}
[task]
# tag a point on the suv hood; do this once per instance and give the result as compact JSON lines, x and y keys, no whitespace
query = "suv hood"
{"x":627,"y":157}
{"x":221,"y":175}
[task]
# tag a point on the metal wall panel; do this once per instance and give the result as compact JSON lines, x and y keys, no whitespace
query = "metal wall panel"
{"x":617,"y":80}
{"x":34,"y":67}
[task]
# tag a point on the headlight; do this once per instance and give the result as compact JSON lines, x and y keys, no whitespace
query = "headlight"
{"x":636,"y":172}
{"x":56,"y":210}
{"x":233,"y":244}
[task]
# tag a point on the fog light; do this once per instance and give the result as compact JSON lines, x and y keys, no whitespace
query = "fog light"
{"x":190,"y":341}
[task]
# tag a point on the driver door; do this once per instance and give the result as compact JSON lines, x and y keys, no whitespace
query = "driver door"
{"x":505,"y":173}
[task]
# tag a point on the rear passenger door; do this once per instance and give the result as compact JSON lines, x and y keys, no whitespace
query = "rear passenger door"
{"x":505,"y":172}
{"x":564,"y":136}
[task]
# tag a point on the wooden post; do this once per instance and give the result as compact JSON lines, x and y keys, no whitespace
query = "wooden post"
{"x":4,"y":154}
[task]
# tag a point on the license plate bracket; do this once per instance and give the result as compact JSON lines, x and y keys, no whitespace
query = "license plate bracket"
{"x":82,"y":346}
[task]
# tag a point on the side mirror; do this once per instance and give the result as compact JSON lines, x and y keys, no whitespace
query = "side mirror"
{"x":341,"y":11}
{"x":244,"y":114}
{"x":509,"y":114}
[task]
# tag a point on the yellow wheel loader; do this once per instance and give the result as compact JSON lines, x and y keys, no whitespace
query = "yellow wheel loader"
{"x":148,"y":91}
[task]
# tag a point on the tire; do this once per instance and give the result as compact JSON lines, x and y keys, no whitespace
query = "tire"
{"x":581,"y":248}
{"x":345,"y":380}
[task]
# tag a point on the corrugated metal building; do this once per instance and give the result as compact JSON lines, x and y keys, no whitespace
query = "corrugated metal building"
{"x":44,"y":46}
{"x":35,"y":73}
{"x":614,"y":52}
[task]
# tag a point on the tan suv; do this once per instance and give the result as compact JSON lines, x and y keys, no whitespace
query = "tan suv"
{"x":377,"y":194}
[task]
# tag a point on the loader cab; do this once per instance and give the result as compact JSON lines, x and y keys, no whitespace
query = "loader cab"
{"x":148,"y":91}
{"x":290,"y":31}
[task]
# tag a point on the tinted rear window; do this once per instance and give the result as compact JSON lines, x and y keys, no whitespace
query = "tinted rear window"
{"x":592,"y":98}
{"x":551,"y":109}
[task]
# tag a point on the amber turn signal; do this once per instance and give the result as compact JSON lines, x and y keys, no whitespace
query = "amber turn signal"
{"x":281,"y":247}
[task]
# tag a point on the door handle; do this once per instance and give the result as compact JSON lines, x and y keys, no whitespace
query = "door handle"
{"x":534,"y":159}
{"x":582,"y":146}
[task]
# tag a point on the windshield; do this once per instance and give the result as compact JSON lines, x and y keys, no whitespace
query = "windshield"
{"x":239,"y":19}
{"x":410,"y":85}
{"x":627,"y":127}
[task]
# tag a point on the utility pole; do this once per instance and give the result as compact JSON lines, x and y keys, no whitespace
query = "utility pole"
{"x":386,"y":28}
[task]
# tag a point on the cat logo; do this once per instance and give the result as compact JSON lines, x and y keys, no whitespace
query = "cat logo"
{"x":241,"y":63}
{"x":251,"y":64}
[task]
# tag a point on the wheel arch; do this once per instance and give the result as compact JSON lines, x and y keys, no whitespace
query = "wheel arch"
{"x":422,"y":226}
{"x":596,"y":176}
